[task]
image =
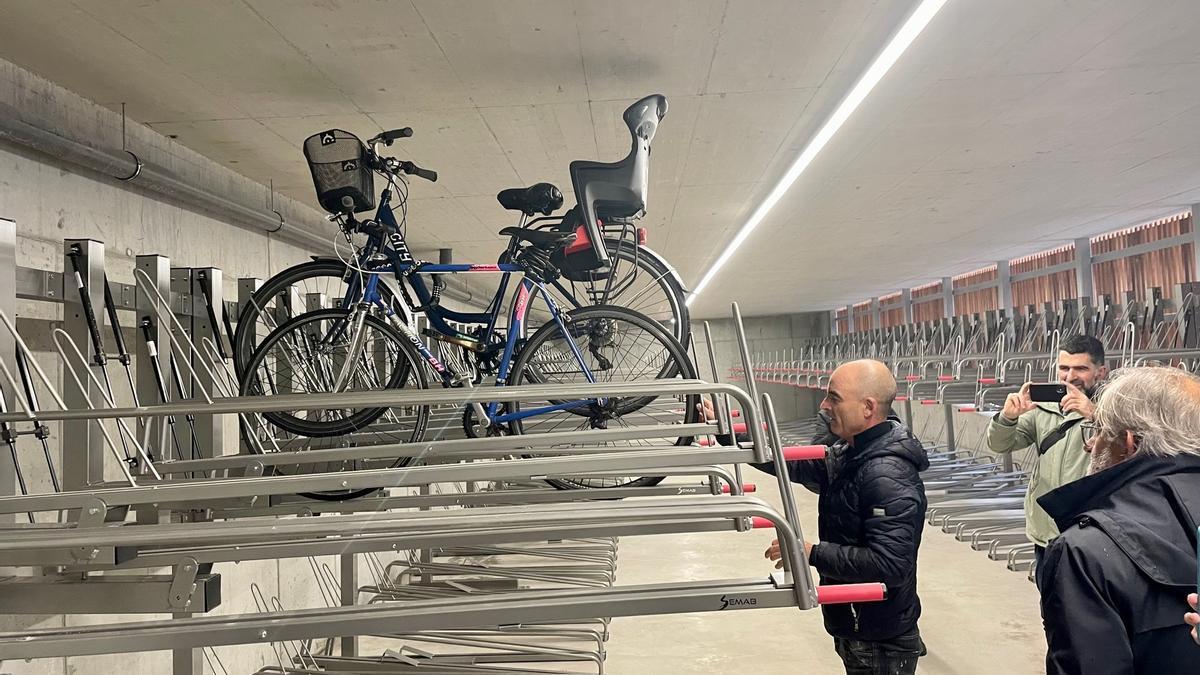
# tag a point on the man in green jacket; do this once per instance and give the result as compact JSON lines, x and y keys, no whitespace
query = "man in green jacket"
{"x":1052,"y":428}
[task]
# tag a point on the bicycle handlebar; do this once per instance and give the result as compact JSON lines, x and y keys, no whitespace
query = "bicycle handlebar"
{"x":391,"y":164}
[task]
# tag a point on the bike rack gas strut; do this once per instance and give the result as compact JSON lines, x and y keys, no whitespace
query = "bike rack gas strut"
{"x":98,"y":356}
{"x":40,"y":431}
{"x":159,"y":382}
{"x":206,"y":290}
{"x":9,"y":435}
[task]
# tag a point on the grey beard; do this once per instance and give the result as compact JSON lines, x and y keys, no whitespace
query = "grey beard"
{"x":1099,"y":462}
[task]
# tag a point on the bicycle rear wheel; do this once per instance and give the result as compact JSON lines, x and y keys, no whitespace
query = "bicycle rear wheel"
{"x":618,"y":345}
{"x":641,"y":281}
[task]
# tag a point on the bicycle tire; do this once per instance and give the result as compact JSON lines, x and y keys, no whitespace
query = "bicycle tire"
{"x":245,"y":335}
{"x":659,"y":271}
{"x":250,"y":384}
{"x":682,"y":330}
{"x":683,"y":368}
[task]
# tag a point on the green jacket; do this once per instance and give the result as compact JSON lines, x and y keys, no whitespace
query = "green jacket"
{"x":1064,"y":462}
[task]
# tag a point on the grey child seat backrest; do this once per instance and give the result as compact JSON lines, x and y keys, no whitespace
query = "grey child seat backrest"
{"x":618,"y":189}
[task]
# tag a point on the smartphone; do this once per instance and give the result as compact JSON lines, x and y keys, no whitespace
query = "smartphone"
{"x":1047,"y":392}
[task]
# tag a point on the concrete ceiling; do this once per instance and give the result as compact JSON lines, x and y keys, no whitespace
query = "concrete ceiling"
{"x":1009,"y":127}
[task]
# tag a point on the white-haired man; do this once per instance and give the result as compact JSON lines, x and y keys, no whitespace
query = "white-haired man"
{"x":1115,"y":581}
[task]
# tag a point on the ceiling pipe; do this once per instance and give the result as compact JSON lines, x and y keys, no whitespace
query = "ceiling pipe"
{"x":127,"y":167}
{"x":124,"y":165}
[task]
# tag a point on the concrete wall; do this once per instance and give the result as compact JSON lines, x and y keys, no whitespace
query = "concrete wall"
{"x":766,"y":334}
{"x":51,"y":201}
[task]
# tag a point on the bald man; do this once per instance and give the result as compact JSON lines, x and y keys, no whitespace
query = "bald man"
{"x":870,"y":515}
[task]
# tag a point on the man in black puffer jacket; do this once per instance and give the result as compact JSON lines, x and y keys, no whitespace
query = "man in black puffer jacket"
{"x":870,"y":515}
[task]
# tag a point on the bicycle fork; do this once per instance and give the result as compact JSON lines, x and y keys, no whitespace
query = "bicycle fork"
{"x":449,"y":377}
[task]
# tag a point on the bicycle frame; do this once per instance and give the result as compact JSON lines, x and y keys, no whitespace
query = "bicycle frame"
{"x":402,"y":265}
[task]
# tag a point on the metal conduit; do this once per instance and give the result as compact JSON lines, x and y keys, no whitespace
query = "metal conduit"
{"x":313,"y":233}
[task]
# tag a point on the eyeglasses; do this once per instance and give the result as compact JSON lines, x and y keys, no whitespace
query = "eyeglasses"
{"x":1090,"y":431}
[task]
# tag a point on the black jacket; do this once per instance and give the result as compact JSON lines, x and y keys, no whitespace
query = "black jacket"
{"x":1115,"y":582}
{"x":869,"y":516}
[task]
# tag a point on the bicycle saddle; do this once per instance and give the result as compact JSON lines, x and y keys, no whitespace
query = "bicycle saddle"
{"x":547,"y":239}
{"x":539,"y":197}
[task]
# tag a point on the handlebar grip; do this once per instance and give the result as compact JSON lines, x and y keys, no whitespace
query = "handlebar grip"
{"x":389,"y":136}
{"x":428,"y":175}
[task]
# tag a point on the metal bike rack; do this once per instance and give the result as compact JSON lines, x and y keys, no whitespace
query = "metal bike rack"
{"x":197,"y":505}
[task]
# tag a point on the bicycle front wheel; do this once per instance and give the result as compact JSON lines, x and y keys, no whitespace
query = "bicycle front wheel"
{"x":326,"y":352}
{"x":616,"y":344}
{"x":305,"y":287}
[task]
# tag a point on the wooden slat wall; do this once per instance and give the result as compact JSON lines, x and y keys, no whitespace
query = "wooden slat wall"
{"x":842,"y":321}
{"x":1163,"y":268}
{"x":893,"y":316}
{"x":927,"y":302}
{"x":976,"y":301}
{"x":862,"y":316}
{"x":1047,"y":288}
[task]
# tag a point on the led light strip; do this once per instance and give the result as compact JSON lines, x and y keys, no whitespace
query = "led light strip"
{"x":871,"y":77}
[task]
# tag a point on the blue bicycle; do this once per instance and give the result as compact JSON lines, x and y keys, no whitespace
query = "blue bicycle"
{"x":368,"y":343}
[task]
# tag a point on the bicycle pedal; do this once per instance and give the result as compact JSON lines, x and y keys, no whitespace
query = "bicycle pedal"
{"x":464,"y":341}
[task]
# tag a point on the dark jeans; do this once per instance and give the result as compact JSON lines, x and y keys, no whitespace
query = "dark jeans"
{"x":897,"y":656}
{"x":1039,"y":554}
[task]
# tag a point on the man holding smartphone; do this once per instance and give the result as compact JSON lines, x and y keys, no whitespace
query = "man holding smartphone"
{"x":1052,"y":428}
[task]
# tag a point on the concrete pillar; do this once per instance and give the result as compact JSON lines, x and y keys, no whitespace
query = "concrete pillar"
{"x":1005,"y":280}
{"x":948,"y":297}
{"x":1196,"y":240}
{"x":876,"y":313}
{"x":907,"y":304}
{"x":1084,"y":288}
{"x":849,"y":318}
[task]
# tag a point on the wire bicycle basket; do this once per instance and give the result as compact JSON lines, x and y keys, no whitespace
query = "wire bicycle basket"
{"x":340,"y":169}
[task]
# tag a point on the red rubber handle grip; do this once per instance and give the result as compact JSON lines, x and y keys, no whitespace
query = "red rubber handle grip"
{"x":987,"y":380}
{"x":945,"y":378}
{"x":839,"y":594}
{"x":901,"y":398}
{"x":735,"y":413}
{"x":746,"y":488}
{"x":912,"y":378}
{"x":799,"y":452}
{"x":929,"y":401}
{"x":705,"y":442}
{"x":966,"y":408}
{"x":760,"y":523}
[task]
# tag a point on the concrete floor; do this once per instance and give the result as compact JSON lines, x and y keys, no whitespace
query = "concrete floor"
{"x":978,"y":617}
